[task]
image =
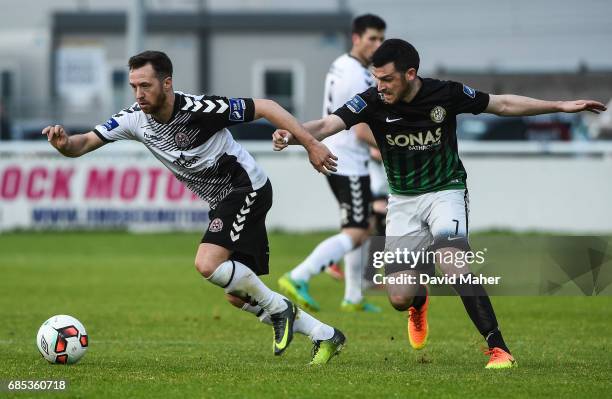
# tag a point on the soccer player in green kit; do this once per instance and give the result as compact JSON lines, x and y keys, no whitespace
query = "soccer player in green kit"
{"x":414,"y":125}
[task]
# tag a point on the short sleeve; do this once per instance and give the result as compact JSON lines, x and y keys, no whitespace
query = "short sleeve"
{"x":119,"y":126}
{"x":464,"y":99}
{"x":217,"y":112}
{"x":356,"y":110}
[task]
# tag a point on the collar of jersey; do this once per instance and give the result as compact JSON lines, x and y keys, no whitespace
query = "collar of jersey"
{"x":417,"y":95}
{"x":358,"y":60}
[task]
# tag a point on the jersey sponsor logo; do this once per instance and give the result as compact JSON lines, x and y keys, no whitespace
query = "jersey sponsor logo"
{"x":416,"y":141}
{"x":392,"y":120}
{"x":182,"y":140}
{"x":183,"y":162}
{"x":356,"y":104}
{"x":237,"y":109}
{"x":216,"y":225}
{"x":471,"y":93}
{"x":437,"y":114}
{"x":111,"y":124}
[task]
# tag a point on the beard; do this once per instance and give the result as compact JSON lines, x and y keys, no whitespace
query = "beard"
{"x":155,"y":107}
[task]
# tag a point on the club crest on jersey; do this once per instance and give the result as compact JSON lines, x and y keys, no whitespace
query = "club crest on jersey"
{"x":237,"y":108}
{"x":437,"y":114}
{"x":111,"y":124}
{"x":216,"y":225}
{"x":471,"y":93}
{"x":356,"y":104}
{"x":182,"y":140}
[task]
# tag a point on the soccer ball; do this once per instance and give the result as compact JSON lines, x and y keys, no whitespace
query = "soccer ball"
{"x":62,"y":340}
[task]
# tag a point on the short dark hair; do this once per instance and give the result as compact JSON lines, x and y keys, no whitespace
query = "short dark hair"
{"x":363,"y":22}
{"x":159,"y":61}
{"x":403,"y":55}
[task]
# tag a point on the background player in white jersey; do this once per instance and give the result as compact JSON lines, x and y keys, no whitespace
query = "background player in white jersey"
{"x":350,"y":183}
{"x":188,"y":135}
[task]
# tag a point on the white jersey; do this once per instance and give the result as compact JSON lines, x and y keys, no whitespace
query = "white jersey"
{"x":346,"y":77}
{"x":195,"y":144}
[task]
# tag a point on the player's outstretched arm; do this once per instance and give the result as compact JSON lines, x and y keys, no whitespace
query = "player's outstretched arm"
{"x":320,"y":157}
{"x":71,"y":146}
{"x":319,"y":129}
{"x":512,"y":105}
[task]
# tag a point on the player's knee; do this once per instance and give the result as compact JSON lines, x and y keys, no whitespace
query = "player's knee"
{"x":358,"y":236}
{"x":361,"y":239}
{"x":400,"y":302}
{"x":206,"y":267}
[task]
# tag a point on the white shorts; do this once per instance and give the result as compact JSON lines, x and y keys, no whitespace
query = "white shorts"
{"x":434,"y":220}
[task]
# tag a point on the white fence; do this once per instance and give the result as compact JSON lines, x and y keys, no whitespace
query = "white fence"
{"x":560,"y":187}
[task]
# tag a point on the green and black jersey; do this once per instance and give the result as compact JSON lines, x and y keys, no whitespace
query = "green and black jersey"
{"x":418,"y":140}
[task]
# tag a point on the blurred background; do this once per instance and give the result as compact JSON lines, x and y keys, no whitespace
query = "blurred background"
{"x":65,"y":62}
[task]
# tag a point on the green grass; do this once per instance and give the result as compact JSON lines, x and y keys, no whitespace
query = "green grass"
{"x":157,"y":329}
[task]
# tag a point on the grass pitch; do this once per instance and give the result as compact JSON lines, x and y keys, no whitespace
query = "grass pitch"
{"x":158,"y":330}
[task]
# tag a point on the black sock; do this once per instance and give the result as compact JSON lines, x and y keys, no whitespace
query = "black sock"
{"x":420,"y":297}
{"x":479,"y":308}
{"x":495,"y":339}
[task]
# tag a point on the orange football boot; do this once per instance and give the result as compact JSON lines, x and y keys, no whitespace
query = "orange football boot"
{"x":418,"y":329}
{"x":500,"y":359}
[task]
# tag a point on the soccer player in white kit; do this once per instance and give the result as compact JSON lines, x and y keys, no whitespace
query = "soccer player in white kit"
{"x":189,"y":135}
{"x":350,"y":183}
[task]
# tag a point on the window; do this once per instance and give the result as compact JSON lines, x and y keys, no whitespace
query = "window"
{"x":281,"y":81}
{"x":121,"y":92}
{"x":7,"y":102}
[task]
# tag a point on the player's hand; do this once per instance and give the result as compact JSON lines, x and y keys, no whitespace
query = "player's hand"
{"x":321,"y":158}
{"x":56,"y":135}
{"x":280,"y":139}
{"x":582,"y":105}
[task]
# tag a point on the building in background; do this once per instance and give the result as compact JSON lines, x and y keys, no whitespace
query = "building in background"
{"x":66,"y":60}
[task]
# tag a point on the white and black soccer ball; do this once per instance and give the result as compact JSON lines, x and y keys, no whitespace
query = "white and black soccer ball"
{"x":62,"y":340}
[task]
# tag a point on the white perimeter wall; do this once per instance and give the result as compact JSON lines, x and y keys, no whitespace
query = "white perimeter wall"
{"x":537,"y":192}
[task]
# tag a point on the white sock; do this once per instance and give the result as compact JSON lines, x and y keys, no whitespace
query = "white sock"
{"x":327,"y":252}
{"x":304,"y":323}
{"x":259,"y":312}
{"x":353,"y":274}
{"x":235,"y":278}
{"x":315,"y":329}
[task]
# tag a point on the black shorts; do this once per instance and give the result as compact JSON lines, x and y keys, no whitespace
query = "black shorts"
{"x":238,"y":223}
{"x":354,"y":197}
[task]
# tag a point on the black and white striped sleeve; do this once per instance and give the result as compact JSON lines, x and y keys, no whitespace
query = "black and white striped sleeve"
{"x":120,"y":126}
